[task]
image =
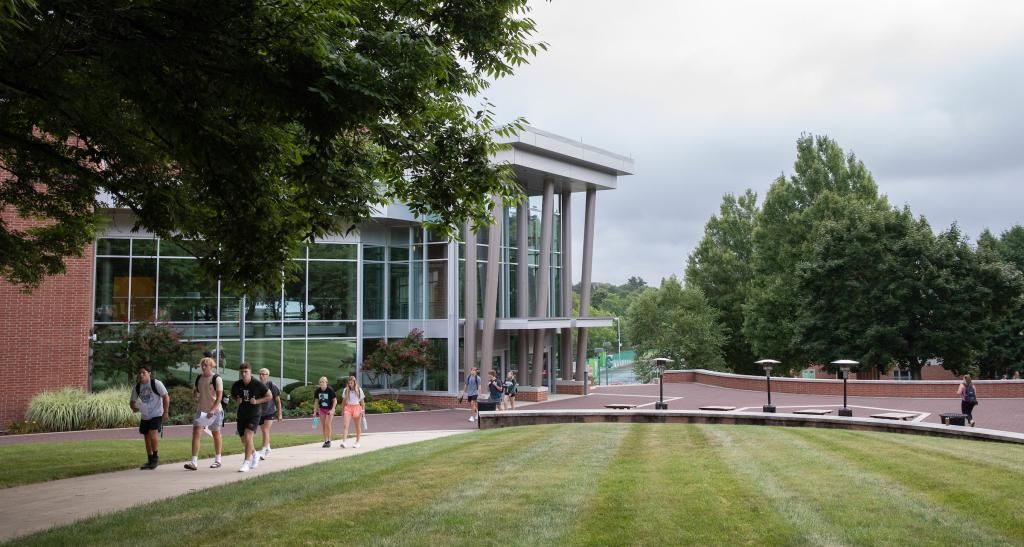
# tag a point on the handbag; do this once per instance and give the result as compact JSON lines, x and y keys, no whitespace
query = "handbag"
{"x":363,"y":419}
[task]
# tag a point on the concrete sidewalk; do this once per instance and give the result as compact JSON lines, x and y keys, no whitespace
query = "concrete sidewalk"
{"x":35,"y":507}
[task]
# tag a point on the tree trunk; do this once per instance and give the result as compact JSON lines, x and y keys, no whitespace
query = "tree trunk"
{"x":915,"y":368}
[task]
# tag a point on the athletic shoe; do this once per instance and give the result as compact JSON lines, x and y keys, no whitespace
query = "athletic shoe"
{"x":155,"y":463}
{"x":342,"y":444}
{"x":472,"y":419}
{"x":265,"y":453}
{"x":215,"y":465}
{"x":355,"y":445}
{"x":327,"y":444}
{"x":191,"y":466}
{"x":245,"y":467}
{"x":255,"y":462}
{"x":147,"y":465}
{"x":972,"y":423}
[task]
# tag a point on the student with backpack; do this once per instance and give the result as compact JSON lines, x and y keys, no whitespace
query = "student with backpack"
{"x":511,"y":390}
{"x":495,"y":387}
{"x":968,"y":398}
{"x":150,"y":399}
{"x":208,"y":393}
{"x":271,"y":411}
{"x":355,"y":404}
{"x":325,"y":400}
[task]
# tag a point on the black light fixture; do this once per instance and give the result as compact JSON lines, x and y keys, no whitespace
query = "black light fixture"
{"x":767,"y":365}
{"x":661,"y":363}
{"x":845,"y":365}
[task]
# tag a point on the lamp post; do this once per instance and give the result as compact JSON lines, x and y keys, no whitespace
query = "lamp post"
{"x":618,"y":340}
{"x":767,"y":365}
{"x":661,"y":362}
{"x":845,"y":365}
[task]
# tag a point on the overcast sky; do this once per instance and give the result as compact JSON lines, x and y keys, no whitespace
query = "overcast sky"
{"x":710,"y":97}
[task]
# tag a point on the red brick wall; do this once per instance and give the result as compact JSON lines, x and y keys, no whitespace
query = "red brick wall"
{"x":44,"y":336}
{"x":861,"y":388}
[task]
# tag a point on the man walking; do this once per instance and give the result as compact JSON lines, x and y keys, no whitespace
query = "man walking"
{"x":208,"y":391}
{"x":271,"y":410}
{"x":251,"y":395}
{"x":150,"y":398}
{"x":472,"y":389}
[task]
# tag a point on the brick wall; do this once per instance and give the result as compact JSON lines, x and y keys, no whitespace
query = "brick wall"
{"x":1010,"y":389}
{"x":44,"y":336}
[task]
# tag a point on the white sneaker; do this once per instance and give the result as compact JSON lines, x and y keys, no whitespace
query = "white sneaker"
{"x":472,"y":419}
{"x":355,"y":445}
{"x":255,"y":462}
{"x":244,"y":468}
{"x":342,"y":443}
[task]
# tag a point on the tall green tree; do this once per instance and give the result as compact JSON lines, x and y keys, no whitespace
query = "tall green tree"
{"x":825,"y":180}
{"x":679,"y":324}
{"x":241,"y":129}
{"x":721,"y":267}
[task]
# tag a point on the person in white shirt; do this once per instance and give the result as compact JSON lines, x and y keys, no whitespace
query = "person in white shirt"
{"x":355,"y":404}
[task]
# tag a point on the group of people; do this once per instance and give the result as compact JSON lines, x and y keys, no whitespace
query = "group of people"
{"x":325,"y":401}
{"x":259,"y":404}
{"x":503,"y":393}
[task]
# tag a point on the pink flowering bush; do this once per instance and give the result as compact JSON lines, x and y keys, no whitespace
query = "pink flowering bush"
{"x":404,"y":357}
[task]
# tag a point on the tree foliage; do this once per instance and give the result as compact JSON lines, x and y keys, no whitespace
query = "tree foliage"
{"x":119,"y":355}
{"x":679,"y":324}
{"x":721,"y":267}
{"x":241,"y":129}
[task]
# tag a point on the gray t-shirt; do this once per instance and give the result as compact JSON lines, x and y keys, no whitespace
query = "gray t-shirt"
{"x":150,"y":404}
{"x":473,"y":385}
{"x":270,"y":407}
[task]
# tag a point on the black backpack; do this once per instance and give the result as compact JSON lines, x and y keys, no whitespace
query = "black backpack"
{"x":152,"y":386}
{"x":225,"y":396}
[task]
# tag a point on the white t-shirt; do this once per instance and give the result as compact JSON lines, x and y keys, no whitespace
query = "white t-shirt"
{"x":353,"y":396}
{"x":151,"y":405}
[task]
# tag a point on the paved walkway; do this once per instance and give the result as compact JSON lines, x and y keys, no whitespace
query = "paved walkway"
{"x":31,"y":508}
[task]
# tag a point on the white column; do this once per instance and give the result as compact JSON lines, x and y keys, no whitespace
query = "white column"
{"x":543,"y":280}
{"x":565,"y":350}
{"x":588,"y":258}
{"x":469,"y":299}
{"x":523,"y":284}
{"x":491,"y":288}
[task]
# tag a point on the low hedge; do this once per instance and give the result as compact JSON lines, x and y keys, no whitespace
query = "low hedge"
{"x":300,"y":395}
{"x":289,"y":387}
{"x":72,"y":409}
{"x":383,"y":406}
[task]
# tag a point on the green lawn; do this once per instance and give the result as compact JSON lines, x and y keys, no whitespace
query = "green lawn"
{"x":38,"y":462}
{"x":611,"y":484}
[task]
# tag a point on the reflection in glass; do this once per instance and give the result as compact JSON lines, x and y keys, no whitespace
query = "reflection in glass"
{"x":185,"y":294}
{"x":335,"y":359}
{"x":111,"y":289}
{"x":332,"y":290}
{"x":143,"y":292}
{"x":437,"y":287}
{"x":373,"y":291}
{"x":398,"y":307}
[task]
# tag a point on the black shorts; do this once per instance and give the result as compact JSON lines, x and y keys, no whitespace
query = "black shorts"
{"x":252,"y":423}
{"x":152,"y":424}
{"x":471,"y":397}
{"x":267,"y":418}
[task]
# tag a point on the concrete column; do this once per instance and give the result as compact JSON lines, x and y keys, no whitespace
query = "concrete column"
{"x":523,"y":285}
{"x":543,"y":279}
{"x":469,"y":298}
{"x":491,"y":288}
{"x":565,"y":352}
{"x":588,"y":259}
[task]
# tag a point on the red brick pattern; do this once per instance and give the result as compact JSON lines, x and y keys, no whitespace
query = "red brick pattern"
{"x":44,"y":336}
{"x":855,"y":388}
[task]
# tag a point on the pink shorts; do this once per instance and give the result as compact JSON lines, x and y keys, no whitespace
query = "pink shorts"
{"x":324,"y":412}
{"x":354,"y":410}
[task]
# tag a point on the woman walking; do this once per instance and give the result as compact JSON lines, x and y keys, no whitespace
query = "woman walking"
{"x":324,"y":402}
{"x":968,"y":398}
{"x":355,"y":404}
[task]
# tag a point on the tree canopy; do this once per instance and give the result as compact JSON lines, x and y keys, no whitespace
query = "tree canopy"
{"x":241,"y":129}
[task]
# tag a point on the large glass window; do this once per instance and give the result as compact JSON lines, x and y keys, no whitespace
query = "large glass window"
{"x":332,"y":290}
{"x":112,"y":276}
{"x":373,"y":290}
{"x":437,"y":287}
{"x":185,"y":294}
{"x":398,"y":291}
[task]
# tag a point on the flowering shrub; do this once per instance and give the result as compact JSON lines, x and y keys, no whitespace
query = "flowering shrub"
{"x":404,"y":357}
{"x":154,"y":344}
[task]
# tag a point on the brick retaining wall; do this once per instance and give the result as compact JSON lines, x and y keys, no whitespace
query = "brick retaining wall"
{"x":1004,"y":389}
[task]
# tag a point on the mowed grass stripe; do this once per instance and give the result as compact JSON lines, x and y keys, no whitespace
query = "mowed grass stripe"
{"x":999,"y":457}
{"x":980,"y":496}
{"x":668,"y":485}
{"x":530,"y":495}
{"x":283,"y":506}
{"x":914,"y":514}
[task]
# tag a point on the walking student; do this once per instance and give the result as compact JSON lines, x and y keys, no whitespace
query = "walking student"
{"x":150,"y":399}
{"x":494,"y":387}
{"x":251,"y":395}
{"x":207,"y":392}
{"x":271,"y":410}
{"x":511,"y":390}
{"x":355,"y":404}
{"x":325,"y":400}
{"x":968,"y":398}
{"x":472,"y":389}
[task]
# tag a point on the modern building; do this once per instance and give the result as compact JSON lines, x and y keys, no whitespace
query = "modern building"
{"x":388,"y":277}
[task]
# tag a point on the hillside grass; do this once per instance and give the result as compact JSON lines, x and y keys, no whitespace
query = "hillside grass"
{"x":610,"y":484}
